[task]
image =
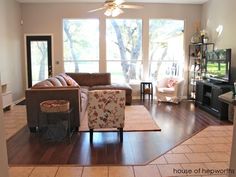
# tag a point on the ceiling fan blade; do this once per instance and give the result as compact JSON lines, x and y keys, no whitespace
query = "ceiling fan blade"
{"x":94,"y":10}
{"x":119,"y":2}
{"x":130,"y":6}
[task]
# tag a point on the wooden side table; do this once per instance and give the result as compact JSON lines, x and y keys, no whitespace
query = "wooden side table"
{"x":146,"y":88}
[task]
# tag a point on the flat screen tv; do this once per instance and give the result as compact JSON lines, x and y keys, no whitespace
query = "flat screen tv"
{"x":218,"y":65}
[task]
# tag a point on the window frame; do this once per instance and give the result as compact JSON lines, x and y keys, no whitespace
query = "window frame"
{"x":180,"y":70}
{"x":82,"y":60}
{"x":140,"y":58}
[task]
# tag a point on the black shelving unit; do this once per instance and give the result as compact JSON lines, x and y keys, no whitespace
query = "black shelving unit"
{"x":197,"y":65}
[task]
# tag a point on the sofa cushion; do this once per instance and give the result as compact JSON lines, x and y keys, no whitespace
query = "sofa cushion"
{"x":55,"y":82}
{"x":45,"y":83}
{"x":69,"y":80}
{"x":83,"y":79}
{"x":100,"y":79}
{"x":62,"y":80}
{"x":91,"y":79}
{"x":124,"y":86}
{"x":166,"y":89}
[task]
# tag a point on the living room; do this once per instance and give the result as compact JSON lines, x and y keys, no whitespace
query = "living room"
{"x":20,"y":19}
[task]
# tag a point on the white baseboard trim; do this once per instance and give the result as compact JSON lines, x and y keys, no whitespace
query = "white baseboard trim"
{"x":18,"y":101}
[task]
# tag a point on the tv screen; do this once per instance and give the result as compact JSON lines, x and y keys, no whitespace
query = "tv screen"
{"x":218,"y":65}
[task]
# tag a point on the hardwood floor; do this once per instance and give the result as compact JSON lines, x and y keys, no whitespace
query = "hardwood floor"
{"x":178,"y":123}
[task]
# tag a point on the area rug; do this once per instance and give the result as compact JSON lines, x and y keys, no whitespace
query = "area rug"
{"x":137,"y":118}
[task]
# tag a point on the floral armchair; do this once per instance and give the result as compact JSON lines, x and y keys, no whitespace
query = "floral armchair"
{"x":106,"y":109}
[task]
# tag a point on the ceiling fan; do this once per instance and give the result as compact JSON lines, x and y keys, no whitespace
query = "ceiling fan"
{"x":114,"y":7}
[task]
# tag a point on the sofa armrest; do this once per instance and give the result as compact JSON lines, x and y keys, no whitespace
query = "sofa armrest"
{"x":35,"y":96}
{"x":56,"y":87}
{"x":162,"y":83}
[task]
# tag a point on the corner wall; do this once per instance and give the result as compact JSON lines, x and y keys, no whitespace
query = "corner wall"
{"x":3,"y":147}
{"x":222,"y":12}
{"x":12,"y":65}
{"x":216,"y":13}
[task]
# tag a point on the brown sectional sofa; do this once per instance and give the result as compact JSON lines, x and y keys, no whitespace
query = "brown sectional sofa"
{"x":100,"y":81}
{"x":70,"y":86}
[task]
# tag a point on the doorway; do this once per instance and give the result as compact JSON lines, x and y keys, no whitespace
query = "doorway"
{"x":39,"y":58}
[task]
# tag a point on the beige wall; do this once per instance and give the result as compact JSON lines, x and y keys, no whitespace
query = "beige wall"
{"x":218,"y":12}
{"x":3,"y":149}
{"x":47,"y":19}
{"x":12,"y":66}
{"x":215,"y":13}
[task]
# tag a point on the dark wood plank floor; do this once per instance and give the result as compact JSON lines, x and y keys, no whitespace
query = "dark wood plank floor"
{"x":178,"y":123}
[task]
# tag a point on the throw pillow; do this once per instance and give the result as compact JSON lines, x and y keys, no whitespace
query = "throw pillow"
{"x":171,"y":83}
{"x":69,"y":80}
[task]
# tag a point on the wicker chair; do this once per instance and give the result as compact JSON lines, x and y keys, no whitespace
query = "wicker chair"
{"x":106,"y":109}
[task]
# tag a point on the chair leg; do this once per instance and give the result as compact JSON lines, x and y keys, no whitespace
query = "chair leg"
{"x":121,"y":134}
{"x":91,"y":135}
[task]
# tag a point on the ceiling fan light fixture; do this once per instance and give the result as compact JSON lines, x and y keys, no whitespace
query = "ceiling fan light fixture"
{"x":116,"y":11}
{"x":108,"y":12}
{"x":114,"y":7}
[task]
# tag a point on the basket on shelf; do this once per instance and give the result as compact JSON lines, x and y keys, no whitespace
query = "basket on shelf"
{"x":147,"y":90}
{"x":55,"y":106}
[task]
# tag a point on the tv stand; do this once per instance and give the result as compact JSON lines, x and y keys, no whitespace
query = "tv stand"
{"x":207,"y":98}
{"x":216,"y":82}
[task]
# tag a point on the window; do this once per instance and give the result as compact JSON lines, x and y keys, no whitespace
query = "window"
{"x":124,"y":49}
{"x":166,"y":53}
{"x":81,"y":45}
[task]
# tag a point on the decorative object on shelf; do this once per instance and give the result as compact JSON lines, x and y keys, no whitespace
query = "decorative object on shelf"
{"x":204,"y":36}
{"x":196,"y":37}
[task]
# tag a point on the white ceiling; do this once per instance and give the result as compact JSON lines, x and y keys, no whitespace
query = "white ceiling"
{"x":142,"y":1}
